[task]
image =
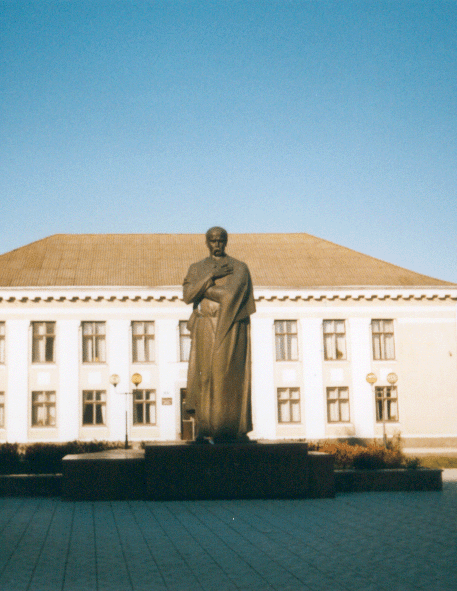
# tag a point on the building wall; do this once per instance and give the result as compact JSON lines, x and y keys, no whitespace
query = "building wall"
{"x":427,"y":359}
{"x":425,"y":336}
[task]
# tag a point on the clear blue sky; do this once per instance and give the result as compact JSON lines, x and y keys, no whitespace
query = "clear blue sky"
{"x":338,"y":119}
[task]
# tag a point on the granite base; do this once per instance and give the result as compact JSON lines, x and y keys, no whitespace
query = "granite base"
{"x":103,"y":476}
{"x":260,"y":470}
{"x":184,"y":471}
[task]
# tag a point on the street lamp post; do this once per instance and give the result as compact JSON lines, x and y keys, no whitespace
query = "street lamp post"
{"x":136,"y":380}
{"x":371,"y":378}
{"x":392,"y":378}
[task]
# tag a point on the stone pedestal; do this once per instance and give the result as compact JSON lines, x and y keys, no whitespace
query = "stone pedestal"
{"x":184,"y":471}
{"x":261,"y":470}
{"x":103,"y":476}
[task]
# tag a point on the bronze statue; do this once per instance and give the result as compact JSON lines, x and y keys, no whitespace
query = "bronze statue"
{"x":219,"y":375}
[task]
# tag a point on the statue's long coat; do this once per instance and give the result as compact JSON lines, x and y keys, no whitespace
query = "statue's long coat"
{"x":219,"y":375}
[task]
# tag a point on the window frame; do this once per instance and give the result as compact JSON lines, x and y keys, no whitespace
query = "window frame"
{"x":100,"y":405}
{"x":184,"y":336}
{"x":46,"y":405}
{"x":383,"y":335}
{"x":292,"y":403}
{"x":47,"y":337}
{"x":146,"y":337}
{"x":384,"y":406}
{"x":334,"y":333}
{"x":287,"y":345}
{"x":143,"y":403}
{"x":95,"y":338}
{"x":339,"y":400}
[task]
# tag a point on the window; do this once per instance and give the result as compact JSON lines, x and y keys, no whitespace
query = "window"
{"x":386,"y":403}
{"x":288,"y":405}
{"x":94,"y":407}
{"x":338,"y":405}
{"x":143,"y":335}
{"x":184,"y":341}
{"x":43,"y":339}
{"x":334,"y":340}
{"x":383,"y":339}
{"x":144,"y":407}
{"x":43,"y":409}
{"x":2,"y":342}
{"x":94,"y":346}
{"x":2,"y":410}
{"x":286,"y":340}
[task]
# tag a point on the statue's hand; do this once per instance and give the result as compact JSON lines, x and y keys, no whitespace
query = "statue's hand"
{"x":222,"y":270}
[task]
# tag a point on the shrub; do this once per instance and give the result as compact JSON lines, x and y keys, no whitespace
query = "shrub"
{"x":10,"y":458}
{"x":358,"y":456}
{"x":46,"y":458}
{"x":412,"y":463}
{"x":342,"y":451}
{"x":376,"y":457}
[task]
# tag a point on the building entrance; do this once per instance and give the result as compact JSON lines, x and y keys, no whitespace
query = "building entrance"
{"x":187,"y":420}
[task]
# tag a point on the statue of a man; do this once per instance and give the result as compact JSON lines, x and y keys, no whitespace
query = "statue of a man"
{"x":219,"y":375}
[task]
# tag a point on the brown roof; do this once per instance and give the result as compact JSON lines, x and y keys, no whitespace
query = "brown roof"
{"x":153,"y":260}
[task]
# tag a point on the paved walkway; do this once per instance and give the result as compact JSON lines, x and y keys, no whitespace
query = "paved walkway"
{"x":366,"y":542}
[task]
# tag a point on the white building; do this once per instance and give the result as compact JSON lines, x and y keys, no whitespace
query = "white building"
{"x":76,"y":309}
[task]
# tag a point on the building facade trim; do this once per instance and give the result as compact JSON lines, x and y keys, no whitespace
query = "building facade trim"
{"x":173,"y":294}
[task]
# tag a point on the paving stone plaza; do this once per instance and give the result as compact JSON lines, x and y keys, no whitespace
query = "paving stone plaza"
{"x":364,"y":541}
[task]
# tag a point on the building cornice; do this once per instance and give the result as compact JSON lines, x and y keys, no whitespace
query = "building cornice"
{"x":357,"y":294}
{"x":174,"y":294}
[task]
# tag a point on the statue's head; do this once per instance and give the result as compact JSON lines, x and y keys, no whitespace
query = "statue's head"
{"x":216,"y":241}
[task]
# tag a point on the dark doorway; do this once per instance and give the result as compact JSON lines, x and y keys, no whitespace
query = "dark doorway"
{"x":187,"y":420}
